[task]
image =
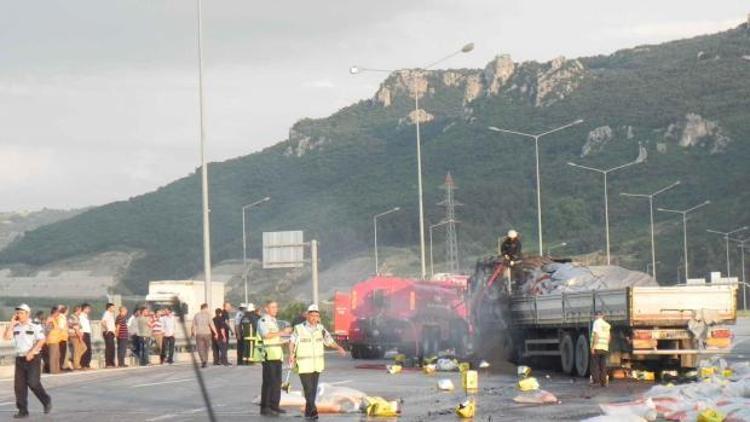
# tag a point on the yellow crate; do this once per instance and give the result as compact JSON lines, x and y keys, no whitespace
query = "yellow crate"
{"x":470,"y":380}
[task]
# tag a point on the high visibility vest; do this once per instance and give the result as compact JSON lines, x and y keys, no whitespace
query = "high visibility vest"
{"x":310,"y":349}
{"x":272,"y":346}
{"x":601,"y":328}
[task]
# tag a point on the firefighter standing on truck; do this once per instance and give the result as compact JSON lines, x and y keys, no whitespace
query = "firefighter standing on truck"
{"x":268,"y":328}
{"x":510,"y":250}
{"x":599,"y":349}
{"x":307,"y":354}
{"x":28,"y":340}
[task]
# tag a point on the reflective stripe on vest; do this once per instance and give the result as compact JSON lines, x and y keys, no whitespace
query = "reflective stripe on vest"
{"x":309,"y":353}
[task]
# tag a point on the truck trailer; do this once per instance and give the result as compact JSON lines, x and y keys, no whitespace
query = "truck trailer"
{"x":654,"y":327}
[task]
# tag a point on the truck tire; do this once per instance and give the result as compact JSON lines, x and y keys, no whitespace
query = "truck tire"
{"x":582,"y":355}
{"x":567,"y":354}
{"x":356,"y":352}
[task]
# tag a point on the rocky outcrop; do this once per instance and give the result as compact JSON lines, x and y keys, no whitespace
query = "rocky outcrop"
{"x":559,"y":78}
{"x":498,"y":72}
{"x":403,"y":82}
{"x":695,"y":131}
{"x":473,"y":88}
{"x":420,"y":114}
{"x":596,"y":140}
{"x":300,"y":144}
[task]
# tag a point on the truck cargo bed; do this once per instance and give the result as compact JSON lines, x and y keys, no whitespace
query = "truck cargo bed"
{"x":632,"y":306}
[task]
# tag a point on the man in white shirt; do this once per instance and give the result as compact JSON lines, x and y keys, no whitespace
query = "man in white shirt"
{"x":85,"y":323}
{"x":28,"y":340}
{"x":167,"y":326}
{"x":108,"y":332}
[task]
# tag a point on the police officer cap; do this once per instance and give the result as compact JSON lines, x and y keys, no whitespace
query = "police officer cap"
{"x":250,"y":307}
{"x":313,"y":308}
{"x":23,"y":307}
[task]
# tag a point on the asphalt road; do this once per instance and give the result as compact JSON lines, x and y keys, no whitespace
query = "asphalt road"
{"x":170,"y":393}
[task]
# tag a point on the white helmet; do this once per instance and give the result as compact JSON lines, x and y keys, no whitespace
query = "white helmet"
{"x":512,"y":234}
{"x":251,"y":307}
{"x":313,"y":308}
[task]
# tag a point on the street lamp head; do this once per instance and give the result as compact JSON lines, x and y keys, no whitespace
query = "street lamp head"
{"x":266,"y":199}
{"x":354,"y":70}
{"x":494,"y":129}
{"x":579,"y":121}
{"x":467,"y":48}
{"x":570,"y":163}
{"x":564,"y":244}
{"x":396,"y":208}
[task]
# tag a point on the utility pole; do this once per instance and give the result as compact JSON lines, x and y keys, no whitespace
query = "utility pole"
{"x":451,"y":237}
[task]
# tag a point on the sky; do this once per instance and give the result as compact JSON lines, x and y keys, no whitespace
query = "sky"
{"x":99,"y":98}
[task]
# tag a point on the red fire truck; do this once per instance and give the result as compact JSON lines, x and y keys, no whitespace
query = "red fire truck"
{"x":417,"y":317}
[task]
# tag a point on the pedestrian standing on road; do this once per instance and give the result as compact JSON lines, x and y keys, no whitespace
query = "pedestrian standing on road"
{"x":62,"y":322}
{"x":54,"y":335}
{"x":133,"y":331}
{"x":75,"y":335}
{"x":144,"y":336}
{"x":239,"y":333}
{"x":307,"y":355}
{"x":157,"y":332}
{"x":28,"y":339}
{"x":121,"y":322}
{"x":168,"y":327}
{"x":600,"y":335}
{"x":203,"y":330}
{"x":108,"y":332}
{"x":40,"y":319}
{"x":86,"y":331}
{"x":221,"y":341}
{"x":268,"y":328}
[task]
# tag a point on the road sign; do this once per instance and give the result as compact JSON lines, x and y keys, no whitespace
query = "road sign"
{"x":283,"y":249}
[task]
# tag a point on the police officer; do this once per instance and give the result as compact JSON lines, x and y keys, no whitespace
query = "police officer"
{"x":600,"y":335}
{"x":28,"y":340}
{"x":268,"y":329}
{"x":306,"y":353}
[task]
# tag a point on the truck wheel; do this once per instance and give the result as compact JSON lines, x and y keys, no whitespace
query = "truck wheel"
{"x":582,"y":355}
{"x":356,"y":354}
{"x":567,"y":354}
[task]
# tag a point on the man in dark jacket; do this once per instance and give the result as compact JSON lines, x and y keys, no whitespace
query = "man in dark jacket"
{"x":510,"y":249}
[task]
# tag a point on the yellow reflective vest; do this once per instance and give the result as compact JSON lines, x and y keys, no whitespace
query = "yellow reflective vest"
{"x":310,"y":348}
{"x":271,"y":346}
{"x":601,"y":328}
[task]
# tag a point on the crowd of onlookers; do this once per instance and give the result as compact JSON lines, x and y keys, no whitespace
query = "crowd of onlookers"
{"x":144,"y":332}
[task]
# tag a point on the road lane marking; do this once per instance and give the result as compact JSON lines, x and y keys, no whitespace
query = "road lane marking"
{"x":340,"y":382}
{"x":7,"y":403}
{"x":161,"y":383}
{"x":163,"y":417}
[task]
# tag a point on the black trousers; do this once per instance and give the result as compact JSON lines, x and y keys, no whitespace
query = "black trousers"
{"x":86,"y":358}
{"x":27,"y":378}
{"x":310,"y":387}
{"x":167,"y":349}
{"x":122,"y":351}
{"x":240,"y":351}
{"x":599,"y":367}
{"x":109,"y":348}
{"x":270,"y":392}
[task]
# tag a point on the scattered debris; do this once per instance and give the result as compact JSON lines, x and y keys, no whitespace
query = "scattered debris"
{"x":446,"y":365}
{"x":393,"y":369}
{"x":466,"y":409}
{"x":378,"y":406}
{"x":445,"y":385}
{"x":530,"y":392}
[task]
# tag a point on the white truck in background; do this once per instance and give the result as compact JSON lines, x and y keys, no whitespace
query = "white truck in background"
{"x":191,"y":294}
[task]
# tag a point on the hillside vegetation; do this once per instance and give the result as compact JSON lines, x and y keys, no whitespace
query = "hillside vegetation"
{"x":686,"y":102}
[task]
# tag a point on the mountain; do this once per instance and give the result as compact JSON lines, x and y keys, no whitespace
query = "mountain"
{"x":685,"y":102}
{"x":14,"y":224}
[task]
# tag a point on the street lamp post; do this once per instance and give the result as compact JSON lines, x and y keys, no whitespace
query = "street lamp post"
{"x":538,"y":181}
{"x":742,"y":262}
{"x":355,"y":70}
{"x":432,"y":263}
{"x":375,"y":230}
{"x":641,"y":158}
{"x":204,"y":166}
{"x":244,"y":241}
{"x":726,"y":239}
{"x":684,"y":214}
{"x":650,"y":197}
{"x":553,"y":247}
